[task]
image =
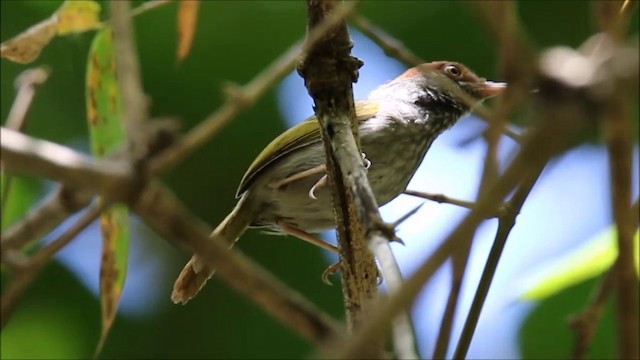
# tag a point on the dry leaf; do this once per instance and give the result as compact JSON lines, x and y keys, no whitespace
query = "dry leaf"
{"x":26,"y":46}
{"x":71,"y":17}
{"x":77,"y":16}
{"x":187,"y":20}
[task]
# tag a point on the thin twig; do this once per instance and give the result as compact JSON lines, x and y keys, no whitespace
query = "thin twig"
{"x":391,"y":46}
{"x":26,"y":84}
{"x":585,"y":324}
{"x":505,"y":225}
{"x":501,"y":15}
{"x":441,"y":198}
{"x":28,"y":273}
{"x":618,"y":129}
{"x":45,"y":217}
{"x":148,"y":6}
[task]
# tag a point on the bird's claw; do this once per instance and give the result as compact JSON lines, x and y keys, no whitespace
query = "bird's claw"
{"x":332,"y":269}
{"x":365,"y":161}
{"x":318,"y":185}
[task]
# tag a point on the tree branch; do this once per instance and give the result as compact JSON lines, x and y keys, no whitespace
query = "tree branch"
{"x":26,"y":84}
{"x":22,"y":153}
{"x":328,"y":70}
{"x":505,"y":226}
{"x":134,"y":101}
{"x":28,"y":272}
{"x":164,"y":213}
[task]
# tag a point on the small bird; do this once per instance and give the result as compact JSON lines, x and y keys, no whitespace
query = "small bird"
{"x":284,"y":189}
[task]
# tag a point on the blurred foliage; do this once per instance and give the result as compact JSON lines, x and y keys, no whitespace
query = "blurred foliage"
{"x":234,"y":40}
{"x":546,"y":334}
{"x":585,"y":262}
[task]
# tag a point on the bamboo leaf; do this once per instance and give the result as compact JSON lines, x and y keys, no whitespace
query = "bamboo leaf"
{"x":104,"y":109}
{"x":187,"y":21}
{"x":590,"y":260}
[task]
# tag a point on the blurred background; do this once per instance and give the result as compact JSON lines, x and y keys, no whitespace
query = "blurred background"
{"x":59,"y":317}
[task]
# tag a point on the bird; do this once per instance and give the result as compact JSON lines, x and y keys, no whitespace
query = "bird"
{"x":284,"y":190}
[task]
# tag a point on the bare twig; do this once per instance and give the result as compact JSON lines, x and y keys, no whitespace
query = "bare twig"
{"x":391,"y":46}
{"x":83,"y":177}
{"x":163,"y":212}
{"x":148,"y":6}
{"x":442,"y":199}
{"x":22,"y":153}
{"x":502,"y":15}
{"x":134,"y":101}
{"x":613,"y":20}
{"x":26,"y":84}
{"x":585,"y":324}
{"x":505,"y":225}
{"x":40,"y":220}
{"x":30,"y":270}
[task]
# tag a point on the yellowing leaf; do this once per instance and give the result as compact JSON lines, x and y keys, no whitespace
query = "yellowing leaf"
{"x":590,"y":260}
{"x":26,"y":46}
{"x":77,"y":16}
{"x":104,"y":116}
{"x":187,"y":20}
{"x":71,"y":17}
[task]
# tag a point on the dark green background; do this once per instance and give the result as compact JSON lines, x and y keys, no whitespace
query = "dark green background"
{"x":234,"y":41}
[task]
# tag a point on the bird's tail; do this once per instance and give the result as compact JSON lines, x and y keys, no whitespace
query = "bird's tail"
{"x":196,"y":273}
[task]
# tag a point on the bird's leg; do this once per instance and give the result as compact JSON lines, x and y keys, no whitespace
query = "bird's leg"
{"x":332,"y":269}
{"x":320,"y":169}
{"x":301,"y":234}
{"x":322,"y":183}
{"x":365,"y":161}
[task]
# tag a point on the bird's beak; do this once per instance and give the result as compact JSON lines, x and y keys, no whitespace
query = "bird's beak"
{"x":491,"y":89}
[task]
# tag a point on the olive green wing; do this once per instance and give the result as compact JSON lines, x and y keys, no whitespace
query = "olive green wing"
{"x":299,"y":136}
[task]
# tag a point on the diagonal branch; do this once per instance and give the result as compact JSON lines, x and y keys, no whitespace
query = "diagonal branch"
{"x":163,"y":212}
{"x":32,"y":268}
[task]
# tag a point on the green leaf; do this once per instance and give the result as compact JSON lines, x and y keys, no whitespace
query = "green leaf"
{"x":586,"y":262}
{"x":546,"y":334}
{"x":104,"y":115}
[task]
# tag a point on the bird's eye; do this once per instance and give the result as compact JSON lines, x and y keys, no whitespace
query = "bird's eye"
{"x":453,"y":70}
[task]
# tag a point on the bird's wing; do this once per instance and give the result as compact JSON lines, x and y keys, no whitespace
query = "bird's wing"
{"x":299,"y":136}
